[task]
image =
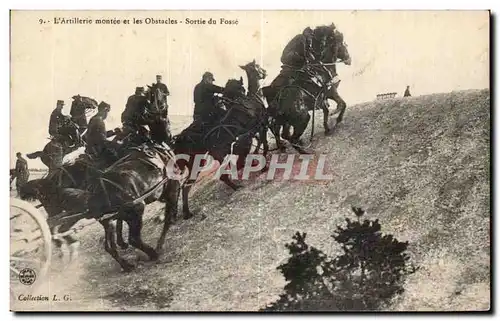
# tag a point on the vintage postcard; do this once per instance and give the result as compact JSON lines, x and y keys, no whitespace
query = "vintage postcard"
{"x":250,"y":161}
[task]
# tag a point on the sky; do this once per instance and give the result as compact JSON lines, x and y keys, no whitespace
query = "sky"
{"x":432,"y":51}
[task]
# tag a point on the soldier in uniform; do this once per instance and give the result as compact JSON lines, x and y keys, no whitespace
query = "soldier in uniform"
{"x":161,"y":85}
{"x":132,"y":116}
{"x":204,"y":100}
{"x":56,"y":119}
{"x":299,"y":52}
{"x":97,"y":144}
{"x":407,"y":92}
{"x":22,"y":171}
{"x":61,"y":127}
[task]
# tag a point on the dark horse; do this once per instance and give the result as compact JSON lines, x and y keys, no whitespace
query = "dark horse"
{"x":307,"y":89}
{"x":335,"y":51}
{"x":125,"y":187}
{"x":58,"y":192}
{"x":255,"y":73}
{"x":231,"y":134}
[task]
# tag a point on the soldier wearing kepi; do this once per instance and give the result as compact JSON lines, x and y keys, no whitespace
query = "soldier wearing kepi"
{"x":56,"y":119}
{"x":299,"y":51}
{"x":22,"y":171}
{"x":205,"y":108}
{"x":161,"y":85}
{"x":60,"y":126}
{"x":132,"y":116}
{"x":97,"y":144}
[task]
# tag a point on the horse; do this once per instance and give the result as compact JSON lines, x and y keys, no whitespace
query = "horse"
{"x":255,"y":73}
{"x":51,"y":191}
{"x":290,"y":105}
{"x":306,"y":89}
{"x":81,"y":107}
{"x":125,"y":188}
{"x":336,"y":49}
{"x":55,"y":200}
{"x":232,"y":134}
{"x":69,"y":189}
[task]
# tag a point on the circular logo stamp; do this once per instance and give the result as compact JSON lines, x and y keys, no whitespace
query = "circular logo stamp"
{"x":27,"y":276}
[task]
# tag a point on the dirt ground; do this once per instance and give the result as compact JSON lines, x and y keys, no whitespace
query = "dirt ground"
{"x":421,"y":165}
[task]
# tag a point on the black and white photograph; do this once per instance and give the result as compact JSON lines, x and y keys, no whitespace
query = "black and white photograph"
{"x":250,"y":160}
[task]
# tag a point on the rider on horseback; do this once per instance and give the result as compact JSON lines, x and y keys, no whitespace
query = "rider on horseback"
{"x":205,"y":108}
{"x":97,"y":144}
{"x":161,"y":86}
{"x":134,"y":111}
{"x":62,"y":128}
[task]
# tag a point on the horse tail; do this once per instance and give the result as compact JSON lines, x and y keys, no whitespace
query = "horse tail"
{"x":35,"y":155}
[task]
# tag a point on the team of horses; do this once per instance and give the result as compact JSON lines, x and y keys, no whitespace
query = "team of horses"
{"x":118,"y":191}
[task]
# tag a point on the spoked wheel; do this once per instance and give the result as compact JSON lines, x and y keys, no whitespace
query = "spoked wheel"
{"x":30,"y":248}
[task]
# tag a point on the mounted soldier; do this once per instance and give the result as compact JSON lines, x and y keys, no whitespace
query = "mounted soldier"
{"x":205,"y":101}
{"x":61,"y":128}
{"x":133,"y":115}
{"x":159,"y":84}
{"x":98,"y":147}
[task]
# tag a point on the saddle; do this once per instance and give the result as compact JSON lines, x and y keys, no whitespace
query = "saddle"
{"x":310,"y":78}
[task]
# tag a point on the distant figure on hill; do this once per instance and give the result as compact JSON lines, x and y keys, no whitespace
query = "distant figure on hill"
{"x":407,"y":92}
{"x":22,"y":171}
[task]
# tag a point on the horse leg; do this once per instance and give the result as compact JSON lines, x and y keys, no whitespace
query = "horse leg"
{"x":70,"y":240}
{"x":170,"y":211}
{"x":341,"y":105}
{"x":110,"y":245}
{"x":326,"y":113}
{"x":298,"y":129}
{"x":58,"y":241}
{"x":186,"y":188}
{"x":275,"y":129}
{"x":133,"y":216}
{"x":225,"y":177}
{"x":265,"y":143}
{"x":119,"y":234}
{"x":286,"y":131}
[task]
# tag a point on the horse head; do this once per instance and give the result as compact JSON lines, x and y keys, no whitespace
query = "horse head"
{"x":336,"y":48}
{"x":254,"y":70}
{"x":234,"y":88}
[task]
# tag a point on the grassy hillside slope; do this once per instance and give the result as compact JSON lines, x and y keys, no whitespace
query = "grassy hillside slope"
{"x":420,"y":165}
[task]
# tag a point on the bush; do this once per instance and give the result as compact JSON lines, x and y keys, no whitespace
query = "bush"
{"x":366,"y":276}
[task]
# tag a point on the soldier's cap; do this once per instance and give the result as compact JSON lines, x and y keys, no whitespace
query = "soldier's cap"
{"x":103,"y":106}
{"x":139,"y":89}
{"x":158,"y":76}
{"x":18,"y":154}
{"x":208,"y":75}
{"x":60,"y":102}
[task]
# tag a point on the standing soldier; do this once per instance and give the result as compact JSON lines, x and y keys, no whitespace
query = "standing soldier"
{"x":204,"y":100}
{"x":22,"y":171}
{"x":407,"y":92}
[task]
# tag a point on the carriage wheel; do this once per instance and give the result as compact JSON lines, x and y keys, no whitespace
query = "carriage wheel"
{"x":30,"y":248}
